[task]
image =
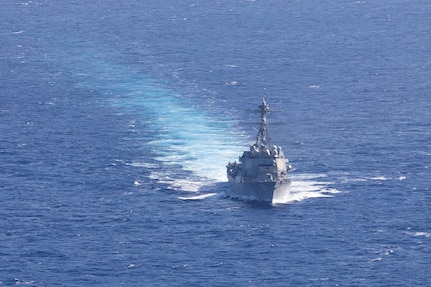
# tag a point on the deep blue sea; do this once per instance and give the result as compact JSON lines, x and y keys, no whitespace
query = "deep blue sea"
{"x":117,"y":119}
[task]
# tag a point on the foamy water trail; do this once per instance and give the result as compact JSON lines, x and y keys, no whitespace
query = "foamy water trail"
{"x":181,"y":135}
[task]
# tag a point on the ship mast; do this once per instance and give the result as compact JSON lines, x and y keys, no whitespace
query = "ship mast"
{"x":262,"y":139}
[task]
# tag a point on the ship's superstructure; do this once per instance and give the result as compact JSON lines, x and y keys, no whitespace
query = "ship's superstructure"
{"x":261,"y":173}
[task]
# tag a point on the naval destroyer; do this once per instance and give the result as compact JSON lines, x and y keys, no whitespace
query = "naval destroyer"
{"x":261,"y":173}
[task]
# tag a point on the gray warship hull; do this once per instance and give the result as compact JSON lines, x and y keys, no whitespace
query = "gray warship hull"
{"x":257,"y":191}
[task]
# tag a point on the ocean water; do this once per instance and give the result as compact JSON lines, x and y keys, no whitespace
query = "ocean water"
{"x":117,"y":119}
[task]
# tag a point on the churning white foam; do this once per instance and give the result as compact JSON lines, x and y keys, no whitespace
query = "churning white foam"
{"x":304,"y":186}
{"x":198,"y":197}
